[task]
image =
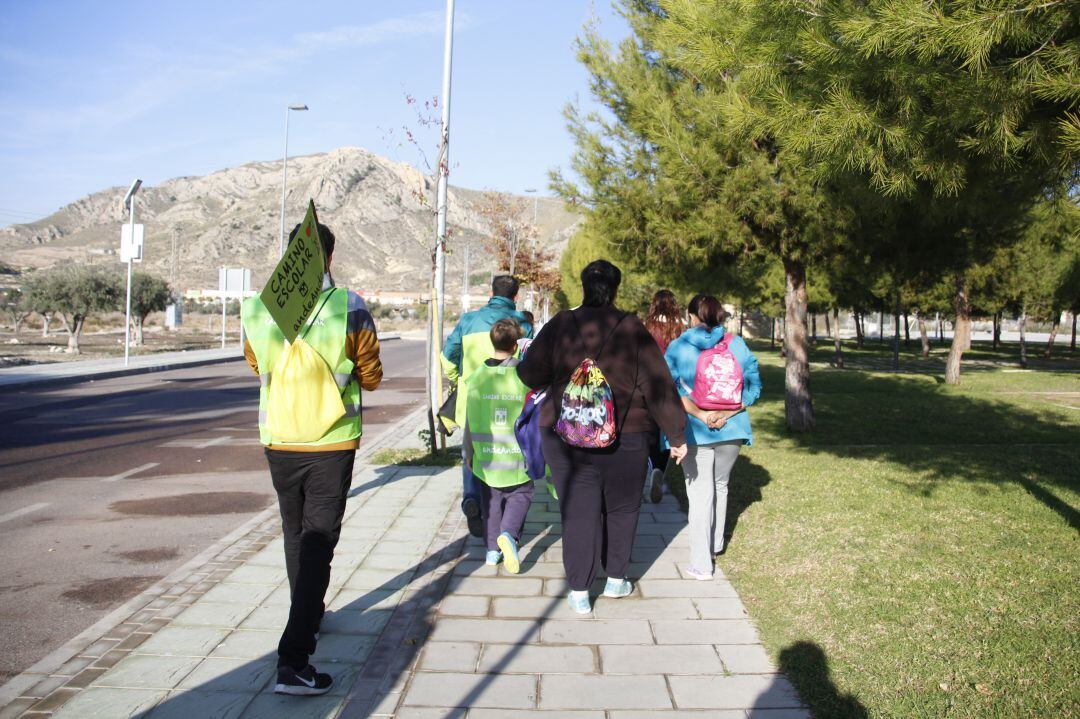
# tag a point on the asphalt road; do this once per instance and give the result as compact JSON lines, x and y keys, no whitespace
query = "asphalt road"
{"x":108,"y":486}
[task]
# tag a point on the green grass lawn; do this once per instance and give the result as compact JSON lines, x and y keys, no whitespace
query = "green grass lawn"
{"x":917,"y":555}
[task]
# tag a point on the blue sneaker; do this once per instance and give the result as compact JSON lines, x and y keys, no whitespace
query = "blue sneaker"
{"x":494,"y":556}
{"x":617,"y":588}
{"x":509,"y":552}
{"x":579,"y":602}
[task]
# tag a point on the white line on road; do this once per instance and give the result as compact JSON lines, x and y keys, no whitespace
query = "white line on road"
{"x":125,"y":475}
{"x":20,"y":512}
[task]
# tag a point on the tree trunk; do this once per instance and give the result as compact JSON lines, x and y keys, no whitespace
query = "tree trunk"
{"x":940,"y":330}
{"x":828,"y":326}
{"x":858,"y":329}
{"x":1072,"y":344}
{"x":74,"y":330}
{"x":896,"y":335}
{"x":907,"y":330}
{"x":46,"y":320}
{"x":813,"y":328}
{"x":836,"y":338}
{"x":961,"y":331}
{"x":138,"y":322}
{"x":924,"y":336}
{"x":997,"y":329}
{"x":740,"y":321}
{"x":772,"y":333}
{"x":881,"y":327}
{"x":798,"y":407}
{"x":1053,"y":334}
{"x":1023,"y":336}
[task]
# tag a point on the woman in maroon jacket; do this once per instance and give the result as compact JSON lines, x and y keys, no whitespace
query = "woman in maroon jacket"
{"x":600,"y":489}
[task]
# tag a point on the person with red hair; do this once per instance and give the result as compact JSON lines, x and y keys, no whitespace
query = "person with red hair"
{"x":664,"y":322}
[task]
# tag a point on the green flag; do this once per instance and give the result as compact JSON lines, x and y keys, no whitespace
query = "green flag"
{"x":295,"y":286}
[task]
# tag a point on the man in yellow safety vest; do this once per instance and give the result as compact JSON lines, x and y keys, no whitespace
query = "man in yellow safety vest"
{"x":312,"y":477}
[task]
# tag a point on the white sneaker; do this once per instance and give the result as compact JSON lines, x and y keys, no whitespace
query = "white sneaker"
{"x":698,"y":574}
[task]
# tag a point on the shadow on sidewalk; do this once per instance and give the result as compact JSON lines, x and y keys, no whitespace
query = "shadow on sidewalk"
{"x":386,"y":639}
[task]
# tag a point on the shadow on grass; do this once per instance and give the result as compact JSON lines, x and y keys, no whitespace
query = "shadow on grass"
{"x":807,"y":667}
{"x":939,"y":434}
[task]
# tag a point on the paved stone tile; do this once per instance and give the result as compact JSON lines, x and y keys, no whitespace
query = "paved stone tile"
{"x":246,"y":676}
{"x":436,"y":713}
{"x":705,"y":631}
{"x":778,"y":714}
{"x":676,"y":714}
{"x":384,"y":579}
{"x":258,"y":574}
{"x":685,"y":659}
{"x":567,"y":691}
{"x":248,"y":644}
{"x":396,"y":562}
{"x":532,"y":608}
{"x":269,"y":618}
{"x":450,"y":656}
{"x":662,"y":569}
{"x":247,"y":594}
{"x":526,"y":714}
{"x":191,"y":704}
{"x":685,"y":588}
{"x":464,"y":606}
{"x":107,"y":703}
{"x":559,"y":588}
{"x":634,"y":607}
{"x":148,"y":672}
{"x":723,"y":608}
{"x":266,"y":706}
{"x":526,"y":659}
{"x":507,"y":587}
{"x":16,"y":707}
{"x":281,"y":597}
{"x":507,"y":631}
{"x":212,"y":614}
{"x":356,"y":600}
{"x":596,"y":631}
{"x":746,"y":659}
{"x":342,"y":648}
{"x":183,"y":641}
{"x":744,"y":691}
{"x":370,"y":621}
{"x":436,"y":689}
{"x":532,"y":568}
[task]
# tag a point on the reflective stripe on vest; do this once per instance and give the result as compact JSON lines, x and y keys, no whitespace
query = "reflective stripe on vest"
{"x":326,"y":336}
{"x":495,"y":399}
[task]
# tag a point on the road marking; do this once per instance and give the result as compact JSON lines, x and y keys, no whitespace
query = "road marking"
{"x":20,"y":512}
{"x":125,"y":475}
{"x":205,"y":443}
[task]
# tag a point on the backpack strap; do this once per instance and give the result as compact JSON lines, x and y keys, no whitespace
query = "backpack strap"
{"x":311,"y":322}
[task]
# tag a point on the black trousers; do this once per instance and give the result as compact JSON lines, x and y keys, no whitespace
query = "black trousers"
{"x":600,"y":500}
{"x":311,"y":489}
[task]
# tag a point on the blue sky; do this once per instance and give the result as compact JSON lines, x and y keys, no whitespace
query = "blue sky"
{"x":94,"y":94}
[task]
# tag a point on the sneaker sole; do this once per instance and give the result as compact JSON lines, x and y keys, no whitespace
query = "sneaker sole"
{"x":510,"y":556}
{"x":300,"y":691}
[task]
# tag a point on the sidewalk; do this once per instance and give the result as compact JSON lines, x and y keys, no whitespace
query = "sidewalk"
{"x":420,"y":628}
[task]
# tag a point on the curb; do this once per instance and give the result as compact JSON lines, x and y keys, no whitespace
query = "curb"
{"x":165,"y":366}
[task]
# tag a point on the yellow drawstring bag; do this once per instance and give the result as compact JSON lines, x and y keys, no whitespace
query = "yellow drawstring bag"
{"x":304,"y":401}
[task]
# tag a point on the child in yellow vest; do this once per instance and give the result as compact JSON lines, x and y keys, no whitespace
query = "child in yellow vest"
{"x":495,"y":399}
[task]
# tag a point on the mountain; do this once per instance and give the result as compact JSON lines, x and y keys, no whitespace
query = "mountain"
{"x":194,"y":225}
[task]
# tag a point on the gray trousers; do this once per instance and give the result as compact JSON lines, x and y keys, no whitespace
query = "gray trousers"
{"x":707,"y":471}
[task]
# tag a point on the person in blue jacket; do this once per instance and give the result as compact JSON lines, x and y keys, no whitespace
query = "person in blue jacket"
{"x":467,"y":347}
{"x":713,"y":437}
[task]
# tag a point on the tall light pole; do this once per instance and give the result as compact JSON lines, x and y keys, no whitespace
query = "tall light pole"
{"x":129,"y":205}
{"x":285,"y":172}
{"x":435,"y":334}
{"x":536,"y":200}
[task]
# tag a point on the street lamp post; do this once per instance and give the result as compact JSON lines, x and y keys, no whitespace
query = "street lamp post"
{"x":285,"y":172}
{"x":129,"y":205}
{"x":536,"y":200}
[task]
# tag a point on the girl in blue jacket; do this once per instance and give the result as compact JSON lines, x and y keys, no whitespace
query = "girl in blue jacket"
{"x":713,"y":437}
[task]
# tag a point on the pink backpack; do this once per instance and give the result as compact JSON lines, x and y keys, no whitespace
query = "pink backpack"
{"x":718,"y":380}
